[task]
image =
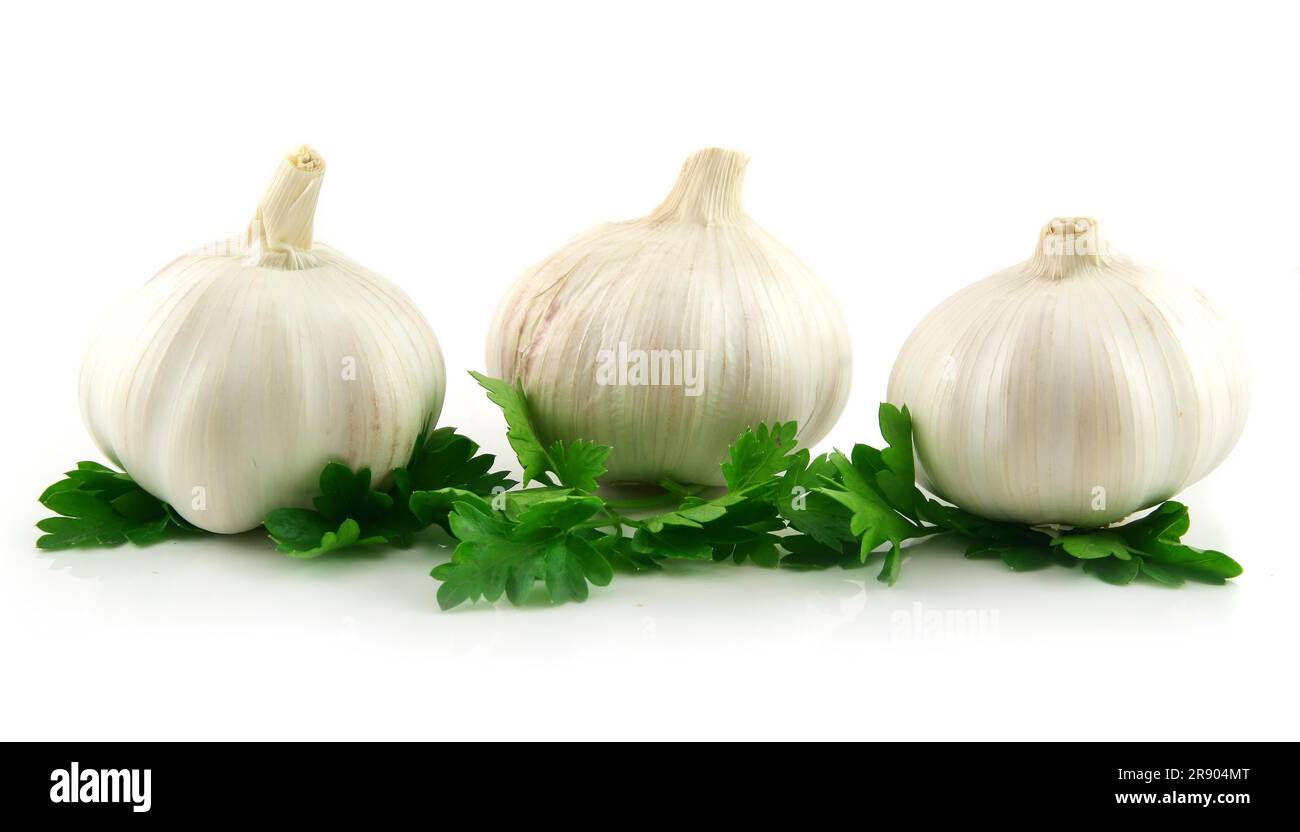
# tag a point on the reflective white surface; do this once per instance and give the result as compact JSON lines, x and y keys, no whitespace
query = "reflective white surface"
{"x":900,"y":158}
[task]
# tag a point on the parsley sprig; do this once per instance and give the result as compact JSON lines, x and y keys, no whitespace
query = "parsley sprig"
{"x":97,"y":506}
{"x":349,"y":512}
{"x":782,"y":507}
{"x":873,"y":483}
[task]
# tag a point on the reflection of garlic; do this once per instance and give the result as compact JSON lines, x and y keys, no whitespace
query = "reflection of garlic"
{"x":1076,"y":387}
{"x":225,"y":383}
{"x":605,"y":333}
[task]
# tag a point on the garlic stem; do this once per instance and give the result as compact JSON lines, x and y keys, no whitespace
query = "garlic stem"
{"x":1066,"y":245}
{"x":708,"y":188}
{"x":284,"y":217}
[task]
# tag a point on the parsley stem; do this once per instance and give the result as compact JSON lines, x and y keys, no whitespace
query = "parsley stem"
{"x":619,"y":520}
{"x":599,"y":523}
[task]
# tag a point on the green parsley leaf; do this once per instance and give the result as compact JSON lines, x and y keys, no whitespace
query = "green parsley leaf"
{"x":759,"y":454}
{"x":874,"y":521}
{"x":350,"y":512}
{"x":730,"y":526}
{"x":348,"y":534}
{"x":1160,"y":573}
{"x":98,"y":506}
{"x":519,"y":426}
{"x":1026,"y":558}
{"x":346,"y":493}
{"x":897,"y":479}
{"x":1092,"y":545}
{"x":1113,"y":570}
{"x":447,"y":459}
{"x":578,"y":464}
{"x":760,"y":551}
{"x":440,"y":460}
{"x":673,"y":543}
{"x":431,"y":507}
{"x":1158,"y":537}
{"x":1154,"y":545}
{"x":296,"y":529}
{"x":496,"y":556}
{"x":806,"y":508}
{"x":693,"y":513}
{"x":620,"y":554}
{"x":434,"y":506}
{"x":518,"y":502}
{"x":807,"y":553}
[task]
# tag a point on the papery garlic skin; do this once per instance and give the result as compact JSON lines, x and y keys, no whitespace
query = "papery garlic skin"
{"x":1074,"y":388}
{"x":697,"y":276}
{"x":227,"y":382}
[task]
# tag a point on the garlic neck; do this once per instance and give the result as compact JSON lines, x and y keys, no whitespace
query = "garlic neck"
{"x":281,"y":230}
{"x":1066,"y":245}
{"x":707,"y":190}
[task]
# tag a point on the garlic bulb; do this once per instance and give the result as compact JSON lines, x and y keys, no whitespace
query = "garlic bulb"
{"x":1074,"y":388}
{"x":226,"y":383}
{"x":666,"y":337}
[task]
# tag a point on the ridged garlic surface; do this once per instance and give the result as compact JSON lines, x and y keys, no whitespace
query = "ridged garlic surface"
{"x":225,"y":384}
{"x":605,"y":334}
{"x":1074,"y":388}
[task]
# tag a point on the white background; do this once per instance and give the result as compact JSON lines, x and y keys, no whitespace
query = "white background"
{"x":903,"y":151}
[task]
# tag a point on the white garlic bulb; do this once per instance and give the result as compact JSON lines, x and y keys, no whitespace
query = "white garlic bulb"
{"x":667,"y":336}
{"x":1074,"y":388}
{"x":225,"y":384}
